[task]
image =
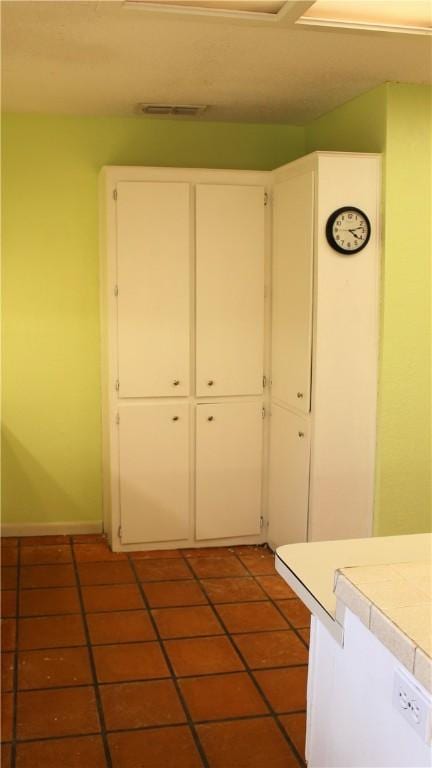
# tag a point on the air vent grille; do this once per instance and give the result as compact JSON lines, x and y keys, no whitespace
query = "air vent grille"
{"x":173,"y":110}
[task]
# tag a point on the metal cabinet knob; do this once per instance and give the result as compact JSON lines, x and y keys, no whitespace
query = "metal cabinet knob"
{"x":210,"y":383}
{"x":210,"y":418}
{"x":300,"y":395}
{"x":301,"y":434}
{"x":176,"y":382}
{"x":175,"y":418}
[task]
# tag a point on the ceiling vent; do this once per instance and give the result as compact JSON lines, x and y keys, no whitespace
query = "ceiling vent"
{"x":172,"y":110}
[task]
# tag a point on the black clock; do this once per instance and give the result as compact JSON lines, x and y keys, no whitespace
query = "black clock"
{"x":348,"y":230}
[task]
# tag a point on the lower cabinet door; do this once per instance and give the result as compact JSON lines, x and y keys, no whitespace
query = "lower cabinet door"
{"x":288,"y":477}
{"x":154,"y":468}
{"x":228,"y":470}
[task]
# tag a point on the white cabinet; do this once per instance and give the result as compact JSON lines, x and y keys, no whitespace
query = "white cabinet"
{"x":153,"y":258}
{"x":289,"y":457}
{"x":292,"y":275}
{"x":154,"y":470}
{"x":228,"y":469}
{"x":229,"y":289}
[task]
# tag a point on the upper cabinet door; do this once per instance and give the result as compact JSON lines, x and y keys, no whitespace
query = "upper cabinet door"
{"x":153,"y":262}
{"x":230,"y":289}
{"x":293,"y":218}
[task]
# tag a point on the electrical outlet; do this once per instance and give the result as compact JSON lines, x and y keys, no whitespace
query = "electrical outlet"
{"x":413,"y":704}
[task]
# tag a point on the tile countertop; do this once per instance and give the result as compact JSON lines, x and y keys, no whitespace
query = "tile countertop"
{"x":385,"y":580}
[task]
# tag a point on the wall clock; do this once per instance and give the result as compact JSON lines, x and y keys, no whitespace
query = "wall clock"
{"x":348,"y":230}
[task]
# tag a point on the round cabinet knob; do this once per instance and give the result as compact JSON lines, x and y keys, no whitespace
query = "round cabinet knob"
{"x":300,"y":395}
{"x":210,"y":418}
{"x":301,"y":434}
{"x":176,"y":382}
{"x":175,"y":418}
{"x":210,"y":383}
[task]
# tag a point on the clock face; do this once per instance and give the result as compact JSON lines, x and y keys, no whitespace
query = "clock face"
{"x":348,"y":230}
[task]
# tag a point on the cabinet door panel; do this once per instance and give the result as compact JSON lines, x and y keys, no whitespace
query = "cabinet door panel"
{"x":292,"y":291}
{"x":288,"y":477}
{"x":228,"y":470}
{"x":154,"y":472}
{"x":153,"y":253}
{"x":230,"y":289}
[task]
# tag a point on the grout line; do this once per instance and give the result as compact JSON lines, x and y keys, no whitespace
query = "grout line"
{"x":99,"y":706}
{"x":170,"y":667}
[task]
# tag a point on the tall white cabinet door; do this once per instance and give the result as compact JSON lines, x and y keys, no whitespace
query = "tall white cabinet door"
{"x":293,"y":213}
{"x":153,"y":264}
{"x":228,"y":470}
{"x":288,"y":477}
{"x":154,"y":472}
{"x":230,"y":289}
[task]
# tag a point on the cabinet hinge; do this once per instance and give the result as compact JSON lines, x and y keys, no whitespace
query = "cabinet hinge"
{"x":114,"y":194}
{"x":117,"y":385}
{"x":263,"y":412}
{"x":116,"y":290}
{"x":261,"y":522}
{"x":264,"y":381}
{"x":266,"y":198}
{"x":117,"y":418}
{"x":119,"y":531}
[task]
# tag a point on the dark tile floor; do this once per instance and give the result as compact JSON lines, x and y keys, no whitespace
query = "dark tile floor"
{"x":184,"y":659}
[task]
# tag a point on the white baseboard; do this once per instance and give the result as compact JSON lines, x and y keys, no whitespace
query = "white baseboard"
{"x":51,"y":529}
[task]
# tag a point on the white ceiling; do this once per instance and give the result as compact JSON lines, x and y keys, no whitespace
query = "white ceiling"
{"x":101,"y":58}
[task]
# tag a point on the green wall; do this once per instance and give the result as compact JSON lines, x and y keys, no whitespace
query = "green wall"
{"x":51,"y":411}
{"x":51,"y":386}
{"x":396,"y":119}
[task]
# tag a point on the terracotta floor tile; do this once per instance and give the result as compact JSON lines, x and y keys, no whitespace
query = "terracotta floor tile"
{"x":187,"y":622}
{"x":162,"y":570}
{"x":42,"y":602}
{"x":77,"y":752}
{"x":44,"y":555}
{"x":7,"y":671}
{"x":47,"y":576}
{"x":170,"y":593}
{"x":305,"y":633}
{"x":233,"y":590}
{"x":35,"y":541}
{"x":131,"y":661}
{"x":118,"y":597}
{"x":255,"y":743}
{"x":8,"y":602}
{"x":295,"y":611}
{"x":156,"y":554}
{"x":276,"y":587}
{"x":203,"y":656}
{"x":9,"y":575}
{"x":6,"y":729}
{"x":51,"y":632}
{"x":216,"y":567}
{"x":96,"y":553}
{"x":251,"y":617}
{"x":8,"y":634}
{"x":295,"y":726}
{"x":9,"y":541}
{"x":154,"y":748}
{"x":259,"y":564}
{"x":120,"y":627}
{"x":90,"y":538}
{"x":271,"y":649}
{"x":54,"y":668}
{"x":138,"y":705}
{"x":285,"y":689}
{"x":208,"y":552}
{"x":221,"y":696}
{"x":60,"y":712}
{"x":105,"y":573}
{"x":252,"y":549}
{"x":6,"y":756}
{"x":9,"y":555}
